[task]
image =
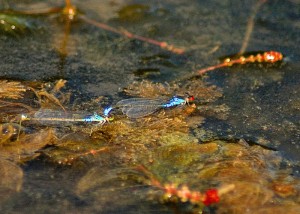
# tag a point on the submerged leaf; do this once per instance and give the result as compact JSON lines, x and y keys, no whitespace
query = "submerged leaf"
{"x":26,"y":147}
{"x":14,"y":24}
{"x":11,"y":179}
{"x":74,"y":147}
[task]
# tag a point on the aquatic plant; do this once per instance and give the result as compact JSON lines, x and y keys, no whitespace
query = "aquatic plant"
{"x":179,"y":169}
{"x":15,"y":24}
{"x":11,"y":89}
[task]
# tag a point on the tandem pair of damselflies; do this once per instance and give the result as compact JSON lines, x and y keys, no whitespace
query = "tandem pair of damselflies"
{"x":132,"y":107}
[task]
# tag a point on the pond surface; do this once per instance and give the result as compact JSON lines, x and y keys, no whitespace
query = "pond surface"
{"x":240,"y":134}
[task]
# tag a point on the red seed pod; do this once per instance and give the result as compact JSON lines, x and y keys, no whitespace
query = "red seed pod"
{"x":272,"y":56}
{"x":211,"y":196}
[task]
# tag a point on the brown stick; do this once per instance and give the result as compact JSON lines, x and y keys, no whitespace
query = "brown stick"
{"x":68,"y":3}
{"x":250,"y":26}
{"x":123,"y":32}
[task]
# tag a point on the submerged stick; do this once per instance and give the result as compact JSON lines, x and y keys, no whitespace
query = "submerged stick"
{"x":250,"y":26}
{"x":123,"y":32}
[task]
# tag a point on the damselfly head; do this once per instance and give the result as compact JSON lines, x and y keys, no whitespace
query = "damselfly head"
{"x":191,"y":98}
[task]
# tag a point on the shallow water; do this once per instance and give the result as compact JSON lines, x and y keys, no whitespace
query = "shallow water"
{"x":257,"y":103}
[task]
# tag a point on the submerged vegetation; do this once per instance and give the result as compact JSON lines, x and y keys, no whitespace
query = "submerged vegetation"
{"x":14,"y":25}
{"x":165,"y":161}
{"x":172,"y":163}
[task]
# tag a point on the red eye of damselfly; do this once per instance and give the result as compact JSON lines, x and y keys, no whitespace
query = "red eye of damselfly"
{"x":191,"y":98}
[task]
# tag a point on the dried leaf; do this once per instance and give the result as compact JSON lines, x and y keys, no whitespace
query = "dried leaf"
{"x":11,"y":179}
{"x":26,"y":147}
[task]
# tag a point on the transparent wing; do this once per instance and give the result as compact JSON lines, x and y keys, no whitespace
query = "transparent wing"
{"x":139,"y":107}
{"x":48,"y":113}
{"x":139,"y":102}
{"x":139,"y":111}
{"x":48,"y":116}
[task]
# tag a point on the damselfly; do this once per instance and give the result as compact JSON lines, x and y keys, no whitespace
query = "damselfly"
{"x":48,"y":116}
